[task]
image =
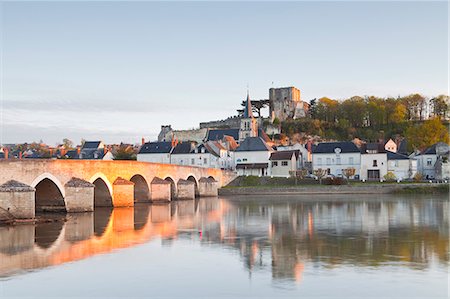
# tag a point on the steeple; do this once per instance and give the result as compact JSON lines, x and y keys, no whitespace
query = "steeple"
{"x":248,"y":107}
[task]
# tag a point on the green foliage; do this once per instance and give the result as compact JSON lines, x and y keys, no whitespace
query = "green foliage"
{"x":369,"y":118}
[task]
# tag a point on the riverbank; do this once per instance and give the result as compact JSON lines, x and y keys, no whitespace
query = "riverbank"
{"x":362,"y":188}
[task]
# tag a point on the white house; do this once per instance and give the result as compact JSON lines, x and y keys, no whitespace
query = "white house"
{"x":374,"y":164}
{"x":252,"y":157}
{"x":335,"y":157}
{"x":427,"y":159}
{"x":156,"y":152}
{"x":402,"y":166}
{"x":297,"y":147}
{"x":283,"y":163}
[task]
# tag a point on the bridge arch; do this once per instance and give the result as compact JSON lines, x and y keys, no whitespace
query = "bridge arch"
{"x":141,"y":188}
{"x":194,"y":180}
{"x":173,"y":188}
{"x":103,"y":190}
{"x":49,"y":194}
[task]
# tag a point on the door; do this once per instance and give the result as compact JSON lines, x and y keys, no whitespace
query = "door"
{"x":373,"y":174}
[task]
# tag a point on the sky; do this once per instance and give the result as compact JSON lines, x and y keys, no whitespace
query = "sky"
{"x":117,"y":71}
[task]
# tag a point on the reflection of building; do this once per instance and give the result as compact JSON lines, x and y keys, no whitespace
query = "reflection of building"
{"x":282,"y":236}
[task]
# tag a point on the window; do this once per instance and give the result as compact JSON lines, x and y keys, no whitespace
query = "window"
{"x":396,"y":163}
{"x":275,"y":163}
{"x":338,"y":161}
{"x":374,"y":164}
{"x":205,"y":161}
{"x":328,"y":161}
{"x":284,"y":163}
{"x":429,"y":162}
{"x":319,"y":161}
{"x":245,"y":159}
{"x":350,"y":160}
{"x":192,"y":161}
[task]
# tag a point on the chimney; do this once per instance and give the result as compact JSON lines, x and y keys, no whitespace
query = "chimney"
{"x":20,"y":155}
{"x":6,"y":152}
{"x":78,"y":152}
{"x":142,"y":141}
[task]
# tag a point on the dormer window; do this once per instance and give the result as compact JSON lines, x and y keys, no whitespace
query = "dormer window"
{"x":203,"y":150}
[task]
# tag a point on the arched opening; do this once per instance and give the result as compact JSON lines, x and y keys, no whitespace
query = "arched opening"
{"x":48,"y":197}
{"x":102,"y":196}
{"x":211,"y":177}
{"x":192,"y":179}
{"x":141,"y":212}
{"x":141,"y":190}
{"x":173,"y":188}
{"x":45,"y":234}
{"x":101,"y":220}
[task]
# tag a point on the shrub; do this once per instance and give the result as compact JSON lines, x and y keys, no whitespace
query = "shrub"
{"x":390,"y":176}
{"x":418,"y":176}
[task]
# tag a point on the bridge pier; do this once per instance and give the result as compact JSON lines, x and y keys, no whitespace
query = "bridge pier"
{"x":17,"y":201}
{"x":160,"y":190}
{"x":123,"y":193}
{"x":185,"y":189}
{"x":208,"y":187}
{"x":79,"y":195}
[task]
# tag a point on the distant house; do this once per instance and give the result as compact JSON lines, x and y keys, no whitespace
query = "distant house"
{"x":335,"y":157}
{"x":284,"y":163}
{"x":95,"y":150}
{"x":374,"y":164}
{"x":252,"y":157}
{"x":427,"y":159}
{"x":402,"y":166}
{"x":391,"y":146}
{"x":156,"y":152}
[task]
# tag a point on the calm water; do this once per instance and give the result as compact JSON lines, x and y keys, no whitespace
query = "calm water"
{"x":288,"y":246}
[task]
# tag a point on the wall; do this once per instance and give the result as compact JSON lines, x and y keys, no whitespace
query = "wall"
{"x":154,"y":158}
{"x":336,"y":169}
{"x":367,"y":164}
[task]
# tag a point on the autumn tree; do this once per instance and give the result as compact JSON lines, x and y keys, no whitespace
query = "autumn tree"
{"x":440,"y":106}
{"x":349,"y":172}
{"x":124,"y":152}
{"x":426,"y":134}
{"x":67,"y":144}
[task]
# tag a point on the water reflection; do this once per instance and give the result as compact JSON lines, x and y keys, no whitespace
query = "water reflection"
{"x":278,"y":235}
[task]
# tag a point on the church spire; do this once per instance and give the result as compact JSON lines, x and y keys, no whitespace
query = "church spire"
{"x":248,"y":107}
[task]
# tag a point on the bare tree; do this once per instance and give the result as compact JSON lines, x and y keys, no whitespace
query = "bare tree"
{"x":349,"y":172}
{"x":320,"y":173}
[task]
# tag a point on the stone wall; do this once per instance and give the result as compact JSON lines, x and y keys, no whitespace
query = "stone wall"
{"x":229,"y":123}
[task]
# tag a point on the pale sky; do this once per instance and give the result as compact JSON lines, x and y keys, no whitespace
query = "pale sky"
{"x":117,"y":71}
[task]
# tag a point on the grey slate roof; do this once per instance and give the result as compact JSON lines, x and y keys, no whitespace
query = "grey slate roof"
{"x":329,"y":147}
{"x":156,"y":148}
{"x":182,"y":148}
{"x":432,"y":149}
{"x":217,"y":134}
{"x":72,"y":154}
{"x":253,"y":144}
{"x":91,"y":144}
{"x":396,"y":156}
{"x":92,"y":153}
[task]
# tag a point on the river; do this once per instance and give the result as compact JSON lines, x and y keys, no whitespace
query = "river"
{"x":347,"y":246}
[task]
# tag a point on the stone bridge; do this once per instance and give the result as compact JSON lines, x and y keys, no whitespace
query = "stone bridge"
{"x":80,"y":185}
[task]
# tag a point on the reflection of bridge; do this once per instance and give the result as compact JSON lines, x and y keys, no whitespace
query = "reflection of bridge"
{"x":116,"y":183}
{"x":87,"y":234}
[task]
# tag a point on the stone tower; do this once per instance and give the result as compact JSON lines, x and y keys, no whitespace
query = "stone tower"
{"x":249,"y":125}
{"x":284,"y":102}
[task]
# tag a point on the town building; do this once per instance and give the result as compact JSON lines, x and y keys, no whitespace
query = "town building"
{"x":426,"y":160}
{"x":284,"y":163}
{"x":374,"y":164}
{"x":335,"y":157}
{"x":252,"y":157}
{"x":95,"y":150}
{"x":249,"y":125}
{"x":402,"y":166}
{"x":156,"y":152}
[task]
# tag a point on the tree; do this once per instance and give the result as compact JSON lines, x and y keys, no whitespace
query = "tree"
{"x":257,"y":106}
{"x":349,"y":172}
{"x":298,"y":174}
{"x":124,"y":152}
{"x":67,"y":144}
{"x":440,"y":106}
{"x":320,"y":173}
{"x":390,"y":176}
{"x":426,"y":134}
